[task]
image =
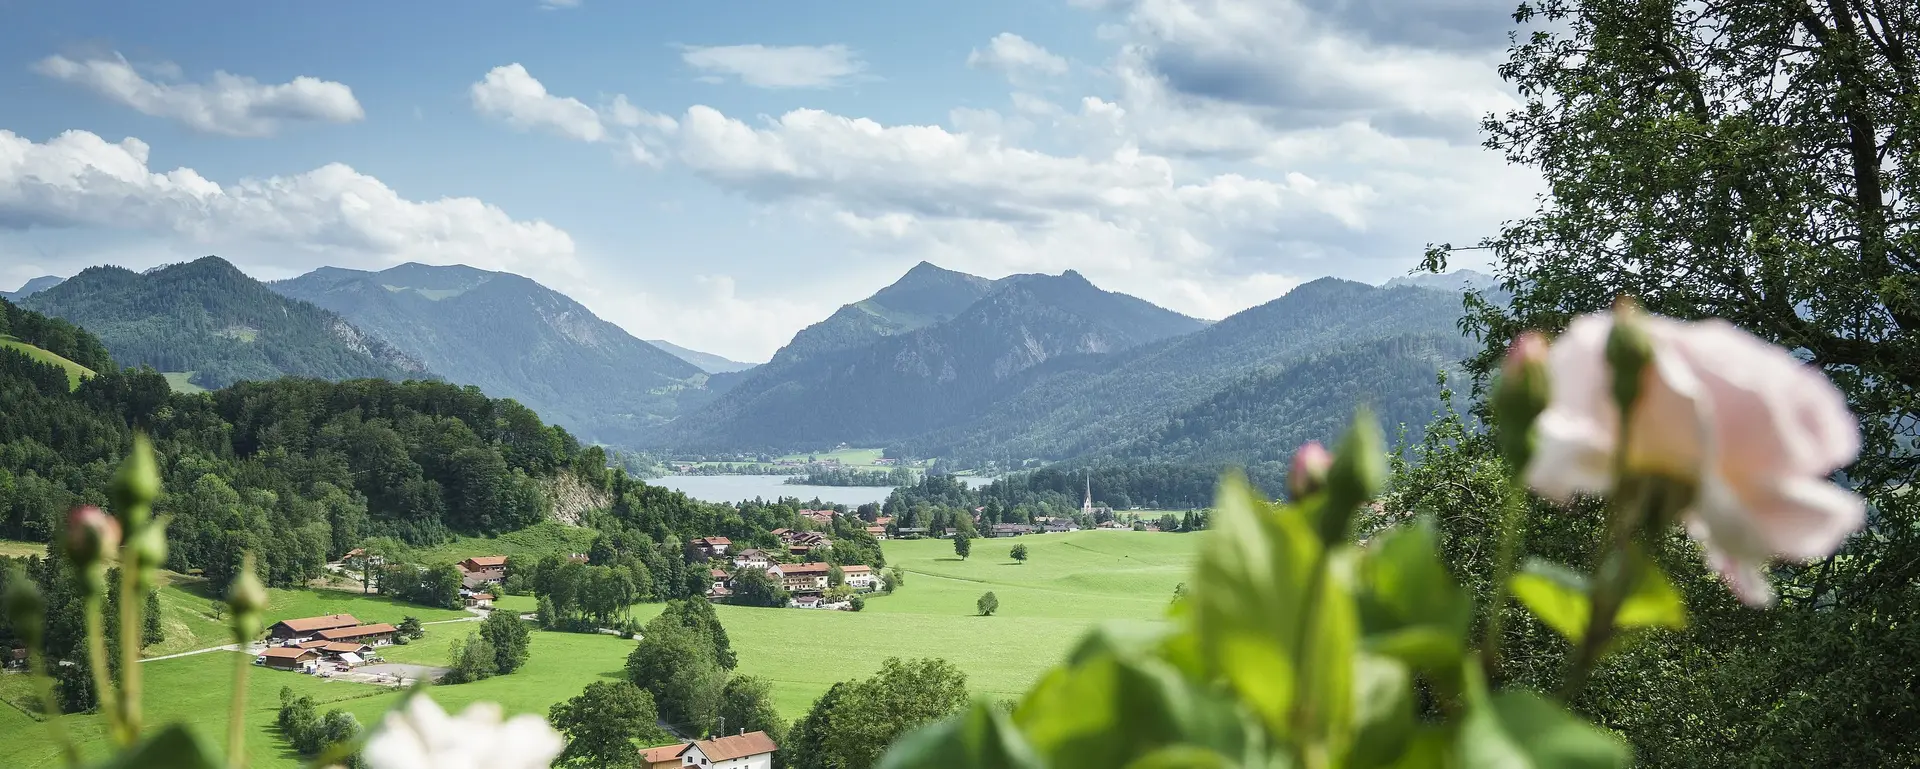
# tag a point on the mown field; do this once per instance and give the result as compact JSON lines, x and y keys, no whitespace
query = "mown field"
{"x":75,"y":371}
{"x":1070,"y":583}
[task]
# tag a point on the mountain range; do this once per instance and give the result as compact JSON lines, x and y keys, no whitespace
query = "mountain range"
{"x":938,"y":364}
{"x":210,"y":322}
{"x":32,"y":287}
{"x":706,"y":361}
{"x":513,"y":338}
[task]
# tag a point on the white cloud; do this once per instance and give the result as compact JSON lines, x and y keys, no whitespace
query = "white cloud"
{"x":762,"y":66}
{"x":1011,"y":53}
{"x":512,"y":95}
{"x":78,"y":179}
{"x":229,"y":104}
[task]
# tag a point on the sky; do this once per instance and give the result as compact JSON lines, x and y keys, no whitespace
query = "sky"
{"x":722,"y":173}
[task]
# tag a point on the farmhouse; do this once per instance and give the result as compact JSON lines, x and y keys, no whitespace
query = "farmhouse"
{"x":378,"y":635}
{"x":746,"y":750}
{"x":801,"y":576}
{"x":479,"y":600}
{"x":307,"y":626}
{"x":1010,"y":529}
{"x":752,"y":558}
{"x":822,"y":517}
{"x":484,"y":568}
{"x":877,"y":532}
{"x":1059,"y":525}
{"x":858,"y":577}
{"x":289,"y":658}
{"x":708,"y":547}
{"x":911,"y":532}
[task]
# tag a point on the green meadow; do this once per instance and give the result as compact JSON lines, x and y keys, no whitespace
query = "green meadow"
{"x":75,"y":371}
{"x":1070,"y":583}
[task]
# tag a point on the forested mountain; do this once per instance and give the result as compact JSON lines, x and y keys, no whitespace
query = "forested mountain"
{"x":924,"y":296}
{"x":1103,"y":405}
{"x":706,"y":361}
{"x":941,"y":374}
{"x":209,"y":318}
{"x":32,"y":287}
{"x":513,"y":338}
{"x":1264,"y":417}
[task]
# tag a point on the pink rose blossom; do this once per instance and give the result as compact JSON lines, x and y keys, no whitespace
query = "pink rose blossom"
{"x":1757,"y":432}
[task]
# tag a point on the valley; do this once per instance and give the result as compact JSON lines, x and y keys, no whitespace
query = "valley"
{"x":1070,"y":583}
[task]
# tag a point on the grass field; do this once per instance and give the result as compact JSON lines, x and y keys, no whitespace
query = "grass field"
{"x":182,"y":382}
{"x":17,"y":549}
{"x":544,"y":539}
{"x":75,"y":371}
{"x":1070,"y":583}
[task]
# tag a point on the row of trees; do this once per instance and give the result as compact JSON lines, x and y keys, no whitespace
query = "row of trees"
{"x":65,"y":633}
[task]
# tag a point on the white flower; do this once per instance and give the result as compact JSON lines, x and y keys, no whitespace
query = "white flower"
{"x":1756,"y":431}
{"x":419,"y":735}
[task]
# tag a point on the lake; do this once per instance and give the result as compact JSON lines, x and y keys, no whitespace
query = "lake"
{"x":736,"y":488}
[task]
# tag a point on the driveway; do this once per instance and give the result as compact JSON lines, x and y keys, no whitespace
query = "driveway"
{"x":392,"y":673}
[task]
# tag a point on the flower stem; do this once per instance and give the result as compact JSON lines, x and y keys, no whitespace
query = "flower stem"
{"x":50,"y":707}
{"x":1311,"y":750}
{"x":1510,"y":534}
{"x":131,"y":606}
{"x":97,"y":660}
{"x":1612,"y":579}
{"x":237,"y":715}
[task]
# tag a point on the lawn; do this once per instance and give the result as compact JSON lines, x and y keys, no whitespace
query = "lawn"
{"x":187,"y":618}
{"x":1070,"y":583}
{"x":538,"y":541}
{"x":17,"y":549}
{"x":75,"y":371}
{"x":182,"y":382}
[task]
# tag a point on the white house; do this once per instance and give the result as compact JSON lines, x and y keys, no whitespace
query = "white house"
{"x":752,"y":558}
{"x":859,"y":577}
{"x":747,"y":750}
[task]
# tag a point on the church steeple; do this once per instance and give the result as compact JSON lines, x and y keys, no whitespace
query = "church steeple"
{"x":1087,"y":506}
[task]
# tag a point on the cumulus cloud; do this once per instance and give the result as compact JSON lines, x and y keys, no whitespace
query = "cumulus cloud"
{"x":1012,"y":53}
{"x":763,"y":66}
{"x":78,"y":179}
{"x":1311,"y":63}
{"x":511,"y":94}
{"x":228,"y":104}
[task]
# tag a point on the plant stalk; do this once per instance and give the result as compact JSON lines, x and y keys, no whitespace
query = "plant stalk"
{"x":1510,"y":535}
{"x":1311,"y":749}
{"x":236,"y":716}
{"x":131,"y":606}
{"x":97,"y":660}
{"x":50,"y":706}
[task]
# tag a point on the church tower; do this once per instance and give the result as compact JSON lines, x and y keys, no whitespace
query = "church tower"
{"x":1086,"y":508}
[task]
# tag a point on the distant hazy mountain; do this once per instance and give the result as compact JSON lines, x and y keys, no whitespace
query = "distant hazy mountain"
{"x":924,"y":296}
{"x":32,"y":287}
{"x":907,"y":362}
{"x":706,"y":361}
{"x":513,"y":338}
{"x":209,"y":318}
{"x":1458,"y":280}
{"x":1106,"y":405}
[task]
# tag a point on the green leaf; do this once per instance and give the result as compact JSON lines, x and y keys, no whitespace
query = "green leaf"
{"x":1410,"y":606}
{"x":1383,"y":711}
{"x":978,"y":738}
{"x":1182,"y":757}
{"x":1249,"y":592}
{"x":175,"y":747}
{"x":1110,"y":710}
{"x":1555,"y":594}
{"x":1654,"y":601}
{"x":1521,"y":730}
{"x":1559,"y":597}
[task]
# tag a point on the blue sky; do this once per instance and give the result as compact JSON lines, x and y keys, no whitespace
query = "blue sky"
{"x":722,"y":173}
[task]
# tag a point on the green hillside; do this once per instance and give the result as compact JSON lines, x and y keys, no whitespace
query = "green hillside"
{"x":75,"y":371}
{"x":209,"y":318}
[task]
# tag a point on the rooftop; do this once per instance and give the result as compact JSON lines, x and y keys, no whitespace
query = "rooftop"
{"x":309,"y":624}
